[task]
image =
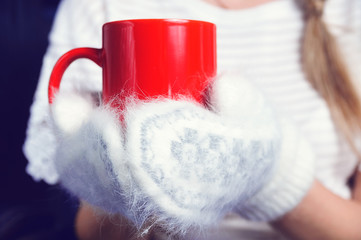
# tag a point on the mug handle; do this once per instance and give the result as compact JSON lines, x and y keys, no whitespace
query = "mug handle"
{"x":63,"y":63}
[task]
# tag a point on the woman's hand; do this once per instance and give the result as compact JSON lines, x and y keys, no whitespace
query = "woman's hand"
{"x":323,"y":215}
{"x":90,"y":225}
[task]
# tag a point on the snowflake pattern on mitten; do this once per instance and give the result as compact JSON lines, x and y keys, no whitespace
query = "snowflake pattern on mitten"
{"x":192,"y":164}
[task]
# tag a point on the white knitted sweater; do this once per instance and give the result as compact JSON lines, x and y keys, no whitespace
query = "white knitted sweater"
{"x":264,"y":41}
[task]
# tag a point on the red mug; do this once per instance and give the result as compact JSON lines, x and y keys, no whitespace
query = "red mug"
{"x":149,"y":58}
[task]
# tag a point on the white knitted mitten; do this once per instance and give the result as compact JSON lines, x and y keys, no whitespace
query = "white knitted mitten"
{"x":182,"y":166}
{"x":193,"y":165}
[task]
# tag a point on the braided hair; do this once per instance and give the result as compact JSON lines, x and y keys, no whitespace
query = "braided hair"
{"x":325,"y":70}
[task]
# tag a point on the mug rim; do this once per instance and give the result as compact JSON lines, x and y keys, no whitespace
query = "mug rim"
{"x":179,"y":21}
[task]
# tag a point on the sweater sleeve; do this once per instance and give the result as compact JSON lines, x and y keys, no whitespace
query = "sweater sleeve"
{"x":77,"y":24}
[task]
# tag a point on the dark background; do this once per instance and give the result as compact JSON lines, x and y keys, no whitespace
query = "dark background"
{"x":28,"y":209}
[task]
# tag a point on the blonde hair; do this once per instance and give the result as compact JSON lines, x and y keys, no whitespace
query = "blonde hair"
{"x":325,"y":70}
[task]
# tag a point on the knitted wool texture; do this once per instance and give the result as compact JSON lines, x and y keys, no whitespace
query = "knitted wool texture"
{"x":172,"y":163}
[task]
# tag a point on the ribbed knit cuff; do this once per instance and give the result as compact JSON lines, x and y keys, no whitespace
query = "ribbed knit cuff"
{"x":293,"y":176}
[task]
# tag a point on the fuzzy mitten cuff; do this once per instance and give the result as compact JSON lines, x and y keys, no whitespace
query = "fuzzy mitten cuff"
{"x":294,"y":175}
{"x":294,"y":169}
